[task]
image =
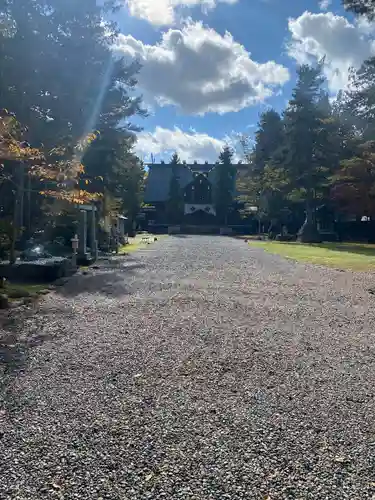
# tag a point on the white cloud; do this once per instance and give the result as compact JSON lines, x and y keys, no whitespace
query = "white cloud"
{"x":324,"y":4}
{"x":198,"y":70}
{"x":344,"y":45}
{"x":191,"y":146}
{"x":365,"y":26}
{"x":163,"y":12}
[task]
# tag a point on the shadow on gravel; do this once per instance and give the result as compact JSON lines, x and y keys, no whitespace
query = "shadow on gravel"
{"x":112,"y":278}
{"x":109,"y":279}
{"x":13,"y":350}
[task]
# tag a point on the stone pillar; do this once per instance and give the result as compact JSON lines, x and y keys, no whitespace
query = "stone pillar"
{"x":121,"y":227}
{"x":83,"y":233}
{"x":93,"y":242}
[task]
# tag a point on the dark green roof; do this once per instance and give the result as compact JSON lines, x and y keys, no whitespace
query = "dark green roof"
{"x":159,"y":178}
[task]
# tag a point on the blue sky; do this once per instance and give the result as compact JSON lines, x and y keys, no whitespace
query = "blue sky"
{"x":211,"y":66}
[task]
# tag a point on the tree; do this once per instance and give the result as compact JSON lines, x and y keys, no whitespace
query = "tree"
{"x":113,"y":170}
{"x":59,"y":175}
{"x":353,"y":187}
{"x":326,"y":155}
{"x":359,"y":102}
{"x":57,"y":64}
{"x":260,"y":182}
{"x":361,"y":7}
{"x":295,"y":159}
{"x":15,"y":153}
{"x":61,"y":78}
{"x":175,"y":204}
{"x":348,"y":125}
{"x":59,"y":74}
{"x":268,"y":139}
{"x":225,"y":184}
{"x":306,"y":136}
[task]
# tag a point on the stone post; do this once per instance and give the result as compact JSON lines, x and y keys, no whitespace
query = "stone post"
{"x":83,"y":233}
{"x":75,"y":243}
{"x":93,"y":243}
{"x":121,"y":226}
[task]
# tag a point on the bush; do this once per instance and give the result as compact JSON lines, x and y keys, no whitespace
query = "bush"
{"x":4,"y":301}
{"x":272,"y":235}
{"x":5,"y":232}
{"x":286,"y":237}
{"x":329,"y":236}
{"x":18,"y":293}
{"x":309,"y":233}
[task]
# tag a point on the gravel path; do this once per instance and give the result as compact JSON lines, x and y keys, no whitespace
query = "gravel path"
{"x":198,"y":368}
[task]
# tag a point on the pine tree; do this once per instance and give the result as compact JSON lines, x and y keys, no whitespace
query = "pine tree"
{"x":353,"y":187}
{"x":304,"y":131}
{"x":60,"y":77}
{"x":361,"y":7}
{"x":225,"y":184}
{"x":359,"y":102}
{"x":58,"y":72}
{"x":175,"y":202}
{"x":112,"y":167}
{"x":269,"y":138}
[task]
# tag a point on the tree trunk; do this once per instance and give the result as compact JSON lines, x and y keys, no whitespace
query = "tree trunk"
{"x":16,"y":213}
{"x":309,"y":232}
{"x":12,"y":256}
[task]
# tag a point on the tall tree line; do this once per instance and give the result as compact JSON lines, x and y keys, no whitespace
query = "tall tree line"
{"x":61,"y":81}
{"x":318,"y":153}
{"x":361,"y":7}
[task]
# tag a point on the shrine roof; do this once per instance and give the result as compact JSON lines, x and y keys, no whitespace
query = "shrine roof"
{"x":160,"y":174}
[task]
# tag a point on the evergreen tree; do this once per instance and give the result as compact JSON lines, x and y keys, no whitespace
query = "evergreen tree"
{"x":361,"y":7}
{"x":305,"y":134}
{"x":261,"y":186}
{"x":323,"y":157}
{"x":225,"y":184}
{"x":112,"y":168}
{"x":359,"y":102}
{"x":353,"y":188}
{"x":268,"y":139}
{"x":347,"y":125}
{"x":175,"y":204}
{"x":58,"y":71}
{"x":60,"y":77}
{"x":353,"y":182}
{"x":295,"y":160}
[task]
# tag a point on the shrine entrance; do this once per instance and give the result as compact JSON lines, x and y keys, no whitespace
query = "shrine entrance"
{"x":198,"y":197}
{"x":199,"y":216}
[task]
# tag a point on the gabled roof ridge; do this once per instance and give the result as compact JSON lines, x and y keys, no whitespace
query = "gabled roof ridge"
{"x":207,"y":171}
{"x":192,"y":167}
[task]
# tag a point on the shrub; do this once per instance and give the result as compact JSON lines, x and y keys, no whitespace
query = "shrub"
{"x":5,"y":232}
{"x":272,"y":235}
{"x":286,"y":237}
{"x":329,"y":236}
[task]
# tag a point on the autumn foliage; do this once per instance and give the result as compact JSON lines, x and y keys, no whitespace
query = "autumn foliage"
{"x":12,"y":146}
{"x":59,"y":169}
{"x":66,"y":136}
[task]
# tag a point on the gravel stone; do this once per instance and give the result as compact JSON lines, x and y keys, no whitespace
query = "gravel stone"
{"x":199,"y":368}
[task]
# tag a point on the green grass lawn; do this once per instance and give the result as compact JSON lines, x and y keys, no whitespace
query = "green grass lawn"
{"x":352,"y":256}
{"x":131,"y":247}
{"x":21,"y":290}
{"x":136,"y":243}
